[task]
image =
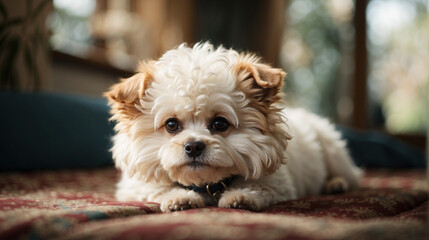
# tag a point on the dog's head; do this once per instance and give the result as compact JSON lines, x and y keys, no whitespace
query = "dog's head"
{"x":199,"y":115}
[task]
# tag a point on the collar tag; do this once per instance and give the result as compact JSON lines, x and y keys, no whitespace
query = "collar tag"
{"x":216,"y":195}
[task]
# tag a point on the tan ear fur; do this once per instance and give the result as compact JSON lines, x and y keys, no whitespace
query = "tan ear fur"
{"x":124,"y":95}
{"x":268,"y":77}
{"x":128,"y":90}
{"x":260,"y":82}
{"x":132,"y":88}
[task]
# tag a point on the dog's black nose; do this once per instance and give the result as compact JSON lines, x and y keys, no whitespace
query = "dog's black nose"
{"x":194,"y":148}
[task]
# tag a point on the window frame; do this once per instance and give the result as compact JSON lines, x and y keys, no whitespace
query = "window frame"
{"x":360,"y":114}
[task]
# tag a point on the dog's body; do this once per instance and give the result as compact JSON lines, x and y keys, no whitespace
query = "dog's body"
{"x":202,"y":117}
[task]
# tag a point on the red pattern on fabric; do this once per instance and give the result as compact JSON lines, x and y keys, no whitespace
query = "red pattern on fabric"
{"x":78,"y":204}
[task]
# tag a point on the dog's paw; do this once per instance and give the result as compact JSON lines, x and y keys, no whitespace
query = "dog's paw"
{"x":180,"y":202}
{"x":336,"y":185}
{"x":240,"y":200}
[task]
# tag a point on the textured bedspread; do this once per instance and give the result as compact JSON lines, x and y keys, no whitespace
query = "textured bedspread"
{"x":79,"y":204}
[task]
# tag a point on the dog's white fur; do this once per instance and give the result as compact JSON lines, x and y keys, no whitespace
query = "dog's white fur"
{"x":277,"y":153}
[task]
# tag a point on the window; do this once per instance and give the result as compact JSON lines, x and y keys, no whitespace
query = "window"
{"x":333,"y":48}
{"x":317,"y":54}
{"x":398,"y":64}
{"x":119,"y":33}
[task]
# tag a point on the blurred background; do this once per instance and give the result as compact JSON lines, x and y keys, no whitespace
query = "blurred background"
{"x":361,"y":63}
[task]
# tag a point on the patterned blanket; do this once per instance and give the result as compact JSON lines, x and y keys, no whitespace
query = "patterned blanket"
{"x":79,"y":204}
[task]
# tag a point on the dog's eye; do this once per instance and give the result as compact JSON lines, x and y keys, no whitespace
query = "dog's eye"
{"x":219,"y":124}
{"x":172,"y":125}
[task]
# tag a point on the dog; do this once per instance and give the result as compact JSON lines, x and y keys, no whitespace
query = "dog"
{"x":206,"y":126}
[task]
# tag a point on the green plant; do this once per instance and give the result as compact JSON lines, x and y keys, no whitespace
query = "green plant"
{"x":21,"y":38}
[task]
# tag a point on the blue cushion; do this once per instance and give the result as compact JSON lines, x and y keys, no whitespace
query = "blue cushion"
{"x":371,"y":149}
{"x":51,"y":131}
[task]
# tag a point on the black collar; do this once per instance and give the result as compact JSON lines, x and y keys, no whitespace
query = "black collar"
{"x":213,"y":189}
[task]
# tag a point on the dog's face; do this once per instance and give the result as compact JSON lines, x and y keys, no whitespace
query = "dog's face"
{"x":199,"y":115}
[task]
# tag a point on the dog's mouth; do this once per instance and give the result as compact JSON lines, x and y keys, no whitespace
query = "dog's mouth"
{"x":196,"y":164}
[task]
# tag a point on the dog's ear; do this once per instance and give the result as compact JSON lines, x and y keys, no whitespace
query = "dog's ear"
{"x":124,"y":95}
{"x":260,"y":82}
{"x":128,"y":90}
{"x":131,"y":89}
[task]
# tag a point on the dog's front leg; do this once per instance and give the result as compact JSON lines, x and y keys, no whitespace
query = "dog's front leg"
{"x":245,"y":198}
{"x":257,"y":194}
{"x":177,"y":199}
{"x":169,"y":196}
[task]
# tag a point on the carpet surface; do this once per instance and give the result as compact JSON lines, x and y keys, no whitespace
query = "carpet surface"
{"x":80,"y":204}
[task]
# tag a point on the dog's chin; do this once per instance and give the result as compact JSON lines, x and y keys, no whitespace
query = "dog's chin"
{"x":199,"y":173}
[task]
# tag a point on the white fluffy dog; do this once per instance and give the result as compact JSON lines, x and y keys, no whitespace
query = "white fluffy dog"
{"x":207,"y":126}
